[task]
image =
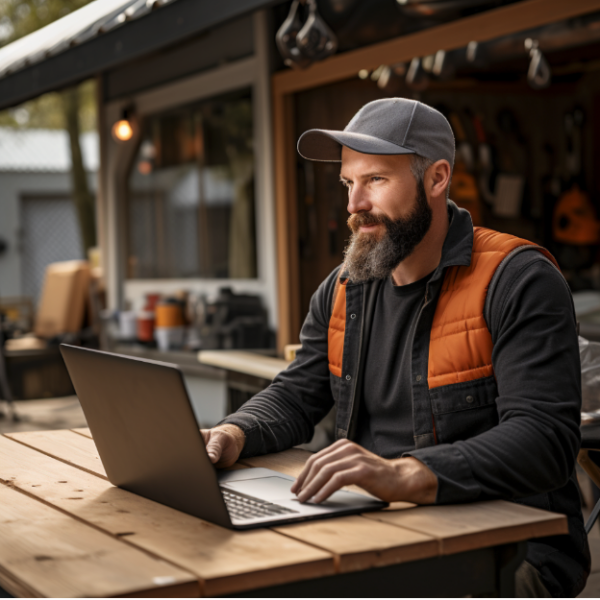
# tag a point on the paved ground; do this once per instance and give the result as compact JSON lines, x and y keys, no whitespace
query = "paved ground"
{"x":55,"y":413}
{"x":66,"y":413}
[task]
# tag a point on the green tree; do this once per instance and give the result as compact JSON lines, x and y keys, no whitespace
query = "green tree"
{"x":72,"y":109}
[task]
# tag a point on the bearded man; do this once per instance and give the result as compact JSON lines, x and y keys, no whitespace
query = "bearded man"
{"x":450,"y":352}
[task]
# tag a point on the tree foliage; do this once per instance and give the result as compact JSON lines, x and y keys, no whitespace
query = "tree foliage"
{"x":19,"y":18}
{"x":63,"y":110}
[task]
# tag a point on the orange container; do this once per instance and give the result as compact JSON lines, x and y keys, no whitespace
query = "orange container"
{"x":169,"y":314}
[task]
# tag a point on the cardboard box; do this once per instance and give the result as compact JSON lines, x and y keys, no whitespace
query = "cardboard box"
{"x":64,"y":297}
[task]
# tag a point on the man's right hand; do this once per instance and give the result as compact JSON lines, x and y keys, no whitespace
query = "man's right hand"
{"x":224,"y":444}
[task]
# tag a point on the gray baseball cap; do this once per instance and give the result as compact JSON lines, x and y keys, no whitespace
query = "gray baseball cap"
{"x":388,"y":126}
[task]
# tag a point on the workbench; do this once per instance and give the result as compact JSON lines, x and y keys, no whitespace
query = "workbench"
{"x":246,"y":372}
{"x":65,"y":531}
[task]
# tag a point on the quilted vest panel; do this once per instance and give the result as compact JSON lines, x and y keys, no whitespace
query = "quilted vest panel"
{"x":460,"y":347}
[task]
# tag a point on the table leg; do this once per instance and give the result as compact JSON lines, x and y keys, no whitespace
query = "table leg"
{"x":510,"y":558}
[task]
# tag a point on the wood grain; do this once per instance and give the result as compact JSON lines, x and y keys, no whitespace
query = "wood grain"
{"x":225,"y":561}
{"x":360,"y":544}
{"x":461,"y":527}
{"x":286,"y":215}
{"x":85,"y":431}
{"x":65,"y":445}
{"x":44,"y":552}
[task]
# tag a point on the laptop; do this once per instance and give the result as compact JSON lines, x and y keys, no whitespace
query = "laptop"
{"x":142,"y":422}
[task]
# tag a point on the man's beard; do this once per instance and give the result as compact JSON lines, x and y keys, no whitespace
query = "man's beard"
{"x":375,"y":256}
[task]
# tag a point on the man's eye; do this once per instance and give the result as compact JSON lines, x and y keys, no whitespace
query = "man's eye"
{"x":376,"y":178}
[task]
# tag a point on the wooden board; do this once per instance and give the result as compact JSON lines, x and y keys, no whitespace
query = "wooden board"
{"x":461,"y":527}
{"x":85,"y":431}
{"x":225,"y":561}
{"x":44,"y":552}
{"x":65,"y":445}
{"x":359,"y":544}
{"x":249,"y":363}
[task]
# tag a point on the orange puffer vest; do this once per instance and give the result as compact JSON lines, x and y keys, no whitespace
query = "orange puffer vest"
{"x":460,"y":347}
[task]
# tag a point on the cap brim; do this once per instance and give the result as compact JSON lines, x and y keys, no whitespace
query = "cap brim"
{"x":325,"y":145}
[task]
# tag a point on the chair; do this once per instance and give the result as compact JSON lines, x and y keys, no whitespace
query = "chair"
{"x":5,"y":390}
{"x":590,"y":440}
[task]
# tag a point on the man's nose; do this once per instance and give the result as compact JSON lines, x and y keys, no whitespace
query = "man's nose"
{"x":358,"y":201}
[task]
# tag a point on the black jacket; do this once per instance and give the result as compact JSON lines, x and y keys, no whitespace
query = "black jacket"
{"x":517,"y":435}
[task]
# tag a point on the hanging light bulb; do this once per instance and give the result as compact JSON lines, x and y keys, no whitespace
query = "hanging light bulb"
{"x":122,"y":130}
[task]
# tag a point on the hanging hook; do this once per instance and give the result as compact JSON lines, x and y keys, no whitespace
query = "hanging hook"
{"x":539,"y":73}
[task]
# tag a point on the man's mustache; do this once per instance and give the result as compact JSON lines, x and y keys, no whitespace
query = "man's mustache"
{"x":364,"y":219}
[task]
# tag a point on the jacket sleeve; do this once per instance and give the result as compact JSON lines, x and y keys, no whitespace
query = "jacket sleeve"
{"x":285,"y":414}
{"x":536,"y":363}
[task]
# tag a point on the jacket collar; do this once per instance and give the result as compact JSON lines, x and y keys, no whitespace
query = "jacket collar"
{"x":458,"y":245}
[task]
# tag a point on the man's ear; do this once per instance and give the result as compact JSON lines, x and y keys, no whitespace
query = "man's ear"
{"x":439,"y":174}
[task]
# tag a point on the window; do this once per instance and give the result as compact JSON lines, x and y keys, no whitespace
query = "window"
{"x":190,"y":201}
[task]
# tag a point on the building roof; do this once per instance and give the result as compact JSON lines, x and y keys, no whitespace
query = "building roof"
{"x":103,"y":35}
{"x":43,"y":150}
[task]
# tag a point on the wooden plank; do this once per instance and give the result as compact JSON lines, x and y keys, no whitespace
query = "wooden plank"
{"x":482,"y":27}
{"x":44,"y":552}
{"x":85,"y":431}
{"x":66,"y":446}
{"x":358,"y":544}
{"x":250,"y":363}
{"x":225,"y":561}
{"x":461,"y":527}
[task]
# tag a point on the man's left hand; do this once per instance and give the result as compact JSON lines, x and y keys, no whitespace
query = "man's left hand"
{"x":346,"y":463}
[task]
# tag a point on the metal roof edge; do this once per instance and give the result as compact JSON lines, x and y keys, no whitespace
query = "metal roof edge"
{"x":172,"y":23}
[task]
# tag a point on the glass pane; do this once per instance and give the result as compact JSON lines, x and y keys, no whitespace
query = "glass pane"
{"x":191,"y":193}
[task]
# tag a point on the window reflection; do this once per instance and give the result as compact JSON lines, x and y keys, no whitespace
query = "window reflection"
{"x":191,"y":193}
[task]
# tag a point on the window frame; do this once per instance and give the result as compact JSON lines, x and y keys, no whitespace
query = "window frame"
{"x":249,"y":73}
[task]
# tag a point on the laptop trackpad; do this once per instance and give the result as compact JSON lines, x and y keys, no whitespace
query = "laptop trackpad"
{"x":266,"y":488}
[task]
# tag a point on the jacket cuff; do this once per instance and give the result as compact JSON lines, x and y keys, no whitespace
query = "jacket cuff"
{"x":249,"y":425}
{"x":455,"y":478}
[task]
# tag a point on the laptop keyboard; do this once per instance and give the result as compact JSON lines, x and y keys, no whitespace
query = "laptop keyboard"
{"x":243,"y":507}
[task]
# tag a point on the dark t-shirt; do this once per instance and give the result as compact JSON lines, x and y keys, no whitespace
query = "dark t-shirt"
{"x":385,"y":424}
{"x":527,"y":291}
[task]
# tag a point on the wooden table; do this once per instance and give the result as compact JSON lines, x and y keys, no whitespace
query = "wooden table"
{"x":66,"y":531}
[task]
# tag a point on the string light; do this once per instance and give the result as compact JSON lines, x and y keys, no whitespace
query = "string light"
{"x":122,"y":130}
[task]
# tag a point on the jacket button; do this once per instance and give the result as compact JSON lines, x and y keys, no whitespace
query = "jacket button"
{"x":353,"y":316}
{"x":470,"y":399}
{"x":419,"y":378}
{"x":348,"y":377}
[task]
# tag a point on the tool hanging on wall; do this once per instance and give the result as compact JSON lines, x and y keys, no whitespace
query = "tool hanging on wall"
{"x":463,"y":187}
{"x":574,"y":220}
{"x":485,"y":163}
{"x":300,"y":44}
{"x":316,"y":40}
{"x":416,"y":77}
{"x":538,"y":74}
